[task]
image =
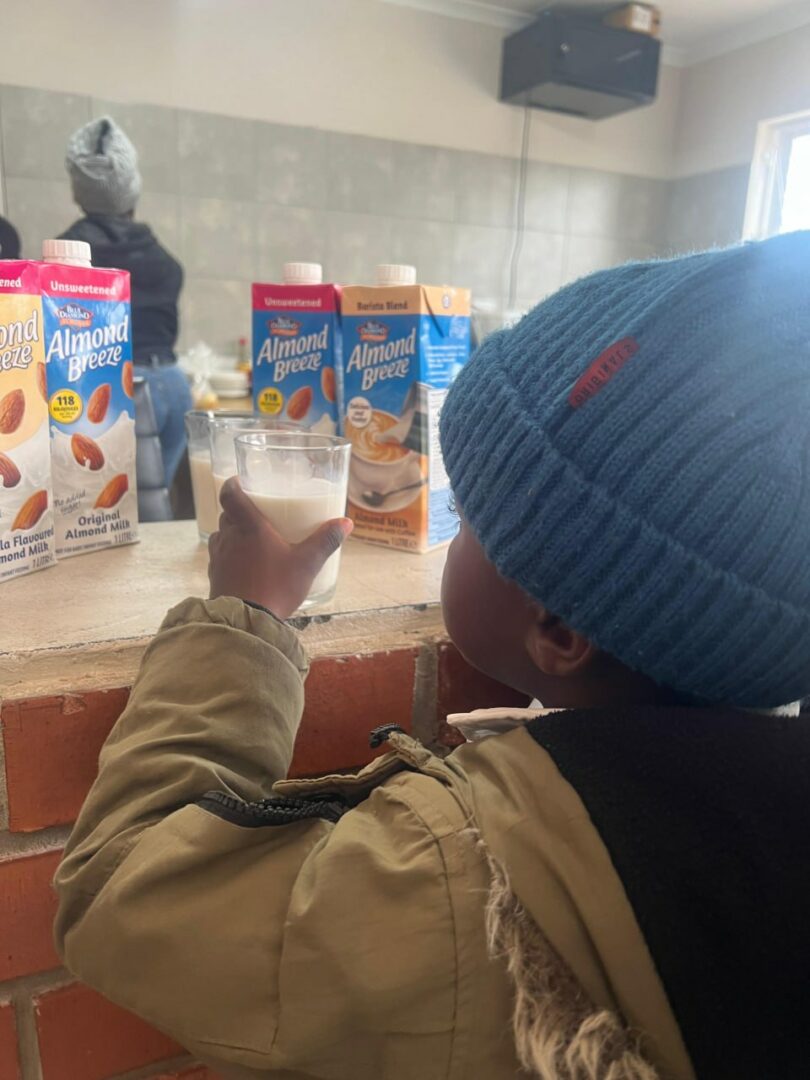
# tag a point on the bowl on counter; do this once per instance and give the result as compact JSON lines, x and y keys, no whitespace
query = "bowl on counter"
{"x":229,"y":384}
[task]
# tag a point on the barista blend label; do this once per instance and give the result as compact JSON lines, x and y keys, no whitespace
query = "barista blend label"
{"x":88,"y":352}
{"x":26,"y":499}
{"x":402,"y":348}
{"x":296,"y":345}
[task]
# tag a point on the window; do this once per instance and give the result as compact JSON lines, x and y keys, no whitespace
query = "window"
{"x":779,"y":189}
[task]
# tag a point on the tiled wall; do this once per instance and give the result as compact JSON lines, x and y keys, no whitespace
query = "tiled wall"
{"x":234,"y":199}
{"x":707,"y":209}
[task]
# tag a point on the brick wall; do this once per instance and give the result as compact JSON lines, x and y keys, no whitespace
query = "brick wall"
{"x":52,"y":1028}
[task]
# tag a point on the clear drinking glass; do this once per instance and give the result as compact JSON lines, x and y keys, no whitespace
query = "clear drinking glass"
{"x":223,"y":429}
{"x":298,"y":480}
{"x":206,"y":506}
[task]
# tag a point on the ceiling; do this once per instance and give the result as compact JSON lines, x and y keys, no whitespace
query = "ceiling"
{"x":692,"y":30}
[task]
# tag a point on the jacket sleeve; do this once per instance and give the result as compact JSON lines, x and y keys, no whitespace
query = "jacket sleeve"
{"x":259,"y":948}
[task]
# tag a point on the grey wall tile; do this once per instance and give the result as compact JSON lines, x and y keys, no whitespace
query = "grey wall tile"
{"x":547,"y":192}
{"x":540,"y":266}
{"x":423,"y":183}
{"x":216,"y":311}
{"x":481,"y":261}
{"x":708,"y":209}
{"x":587,"y":254}
{"x":39,"y":210}
{"x":594,"y":203}
{"x":161,"y":212}
{"x":217,"y":156}
{"x":427,"y":245}
{"x":610,"y":204}
{"x":288,"y":234}
{"x":290,"y":165}
{"x":217,"y":238}
{"x":36,"y":125}
{"x":486,"y":189}
{"x":360,"y":174}
{"x":685,"y":221}
{"x":643,"y":209}
{"x":355,"y":243}
{"x":154,"y":131}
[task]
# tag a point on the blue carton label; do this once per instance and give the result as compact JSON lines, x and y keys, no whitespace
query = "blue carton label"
{"x":88,"y":354}
{"x":296,"y":346}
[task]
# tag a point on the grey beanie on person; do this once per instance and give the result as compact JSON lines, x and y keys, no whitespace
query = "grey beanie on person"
{"x":103,"y":167}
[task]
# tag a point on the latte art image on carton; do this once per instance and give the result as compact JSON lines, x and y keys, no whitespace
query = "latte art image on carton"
{"x":370,"y":443}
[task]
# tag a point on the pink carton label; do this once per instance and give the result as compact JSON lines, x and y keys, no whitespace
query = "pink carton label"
{"x":80,"y":281}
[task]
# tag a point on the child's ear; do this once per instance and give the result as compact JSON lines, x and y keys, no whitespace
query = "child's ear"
{"x":555,"y":648}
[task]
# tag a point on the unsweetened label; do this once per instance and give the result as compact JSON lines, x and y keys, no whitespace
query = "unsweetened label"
{"x":88,"y":352}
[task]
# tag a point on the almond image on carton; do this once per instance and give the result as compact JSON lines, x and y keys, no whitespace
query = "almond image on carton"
{"x":27,"y":540}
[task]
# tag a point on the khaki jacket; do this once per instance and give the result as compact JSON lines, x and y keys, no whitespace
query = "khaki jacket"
{"x":462,"y":919}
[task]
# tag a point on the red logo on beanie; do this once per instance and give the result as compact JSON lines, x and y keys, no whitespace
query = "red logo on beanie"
{"x":602,"y":371}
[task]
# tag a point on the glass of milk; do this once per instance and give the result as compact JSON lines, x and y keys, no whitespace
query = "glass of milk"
{"x":298,"y":480}
{"x":199,"y":462}
{"x":223,"y":430}
{"x":206,"y":504}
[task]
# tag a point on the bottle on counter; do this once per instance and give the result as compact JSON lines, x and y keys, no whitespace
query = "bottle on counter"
{"x":87,"y":330}
{"x":403,"y":344}
{"x":393,"y":274}
{"x":296,"y":349}
{"x":243,"y":362}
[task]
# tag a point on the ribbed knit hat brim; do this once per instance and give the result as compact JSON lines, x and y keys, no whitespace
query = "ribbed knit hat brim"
{"x":667,"y":515}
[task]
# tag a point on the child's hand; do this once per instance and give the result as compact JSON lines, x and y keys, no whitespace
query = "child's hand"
{"x":249,"y":560}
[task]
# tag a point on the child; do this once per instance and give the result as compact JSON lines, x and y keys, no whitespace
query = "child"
{"x":614,"y":888}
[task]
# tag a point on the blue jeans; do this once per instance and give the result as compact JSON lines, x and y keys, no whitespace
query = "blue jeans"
{"x":171,"y":400}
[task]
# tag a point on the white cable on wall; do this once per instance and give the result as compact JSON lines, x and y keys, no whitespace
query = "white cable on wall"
{"x":520,"y":209}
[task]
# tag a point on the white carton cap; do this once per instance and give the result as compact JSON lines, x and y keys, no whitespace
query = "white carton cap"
{"x":395,"y":274}
{"x":69,"y":252}
{"x":301,"y":273}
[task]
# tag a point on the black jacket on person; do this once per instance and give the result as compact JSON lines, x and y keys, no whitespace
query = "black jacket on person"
{"x":9,"y":240}
{"x":156,"y":277}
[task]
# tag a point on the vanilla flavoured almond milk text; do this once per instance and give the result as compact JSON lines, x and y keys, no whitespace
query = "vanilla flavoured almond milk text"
{"x":90,"y":395}
{"x":402,"y":347}
{"x":26,"y":500}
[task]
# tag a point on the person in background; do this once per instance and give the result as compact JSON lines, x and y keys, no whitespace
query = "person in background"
{"x":9,"y":240}
{"x":103,"y":167}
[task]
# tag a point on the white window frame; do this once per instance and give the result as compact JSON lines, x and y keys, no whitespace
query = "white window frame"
{"x":766,"y":186}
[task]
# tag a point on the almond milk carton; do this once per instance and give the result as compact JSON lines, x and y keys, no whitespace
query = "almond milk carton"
{"x":296,"y":345}
{"x":26,"y":502}
{"x":88,"y":354}
{"x":403,"y":344}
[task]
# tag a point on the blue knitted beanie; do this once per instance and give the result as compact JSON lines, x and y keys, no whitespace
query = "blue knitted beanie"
{"x":635,"y":454}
